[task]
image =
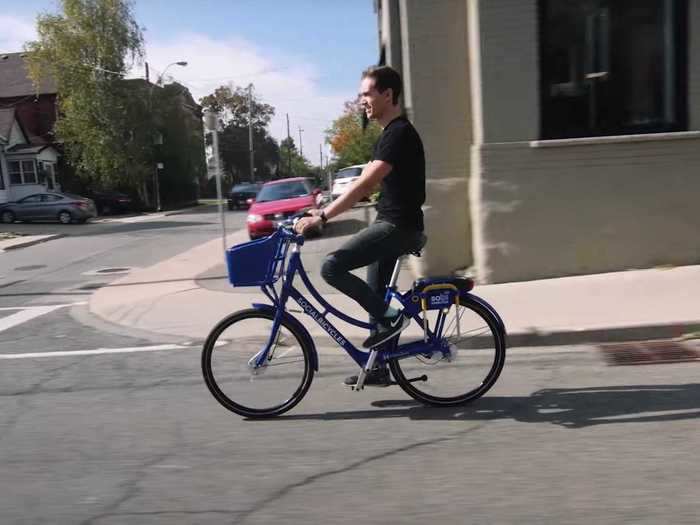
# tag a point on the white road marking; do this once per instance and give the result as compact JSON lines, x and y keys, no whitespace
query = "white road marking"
{"x":99,"y":351}
{"x":138,"y":218}
{"x":27,"y":313}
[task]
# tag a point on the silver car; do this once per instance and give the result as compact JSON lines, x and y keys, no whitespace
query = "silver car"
{"x":62,"y":207}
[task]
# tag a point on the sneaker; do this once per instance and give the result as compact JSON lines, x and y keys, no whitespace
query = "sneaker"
{"x":386,"y":330}
{"x":377,"y":377}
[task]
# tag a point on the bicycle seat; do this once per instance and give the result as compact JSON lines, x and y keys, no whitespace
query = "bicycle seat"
{"x":421,"y":244}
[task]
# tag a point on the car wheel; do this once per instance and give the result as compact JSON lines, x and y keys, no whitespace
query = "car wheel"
{"x":8,"y":217}
{"x":65,"y":217}
{"x":106,"y":210}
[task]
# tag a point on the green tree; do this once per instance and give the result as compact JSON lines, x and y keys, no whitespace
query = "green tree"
{"x":87,"y":49}
{"x":231,"y":103}
{"x":351,"y":142}
{"x":292,"y":164}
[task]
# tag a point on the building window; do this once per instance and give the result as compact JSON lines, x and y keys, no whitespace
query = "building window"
{"x":613,"y":67}
{"x":2,"y":178}
{"x":22,"y":171}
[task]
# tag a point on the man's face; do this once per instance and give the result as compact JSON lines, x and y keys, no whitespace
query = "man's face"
{"x":372,"y":101}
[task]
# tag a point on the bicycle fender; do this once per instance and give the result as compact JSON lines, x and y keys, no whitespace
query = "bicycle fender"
{"x":297,"y":324}
{"x":489,"y":308}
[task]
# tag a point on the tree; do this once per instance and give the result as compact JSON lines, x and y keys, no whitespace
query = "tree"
{"x":231,"y":103}
{"x":87,"y":50}
{"x":292,"y":164}
{"x":351,"y":143}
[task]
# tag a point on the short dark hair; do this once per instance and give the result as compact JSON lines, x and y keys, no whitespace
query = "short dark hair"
{"x":385,"y":77}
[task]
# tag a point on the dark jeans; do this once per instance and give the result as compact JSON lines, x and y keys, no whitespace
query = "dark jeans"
{"x":377,"y":247}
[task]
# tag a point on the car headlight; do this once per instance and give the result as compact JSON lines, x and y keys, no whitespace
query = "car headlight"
{"x":254,"y":218}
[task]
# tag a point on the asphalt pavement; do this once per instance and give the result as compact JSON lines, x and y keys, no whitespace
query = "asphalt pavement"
{"x":106,"y":420}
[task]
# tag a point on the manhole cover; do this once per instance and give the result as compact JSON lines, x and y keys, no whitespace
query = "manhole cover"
{"x":649,"y":353}
{"x":30,"y":267}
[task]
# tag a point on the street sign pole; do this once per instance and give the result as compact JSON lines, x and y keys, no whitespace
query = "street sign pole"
{"x":211,"y":119}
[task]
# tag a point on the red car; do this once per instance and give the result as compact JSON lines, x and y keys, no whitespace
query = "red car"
{"x":278,"y":200}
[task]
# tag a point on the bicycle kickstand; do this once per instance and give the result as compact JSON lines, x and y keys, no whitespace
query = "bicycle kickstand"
{"x":360,"y":385}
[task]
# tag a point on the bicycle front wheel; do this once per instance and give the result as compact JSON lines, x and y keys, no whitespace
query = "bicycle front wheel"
{"x":228,"y":365}
{"x":476,"y":358}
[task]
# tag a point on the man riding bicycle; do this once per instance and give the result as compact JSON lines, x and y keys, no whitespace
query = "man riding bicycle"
{"x":398,"y":162}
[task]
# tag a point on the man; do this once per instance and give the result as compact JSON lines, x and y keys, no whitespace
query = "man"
{"x":398,"y":163}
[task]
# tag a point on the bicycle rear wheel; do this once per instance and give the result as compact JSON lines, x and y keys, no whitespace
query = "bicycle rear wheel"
{"x":269,"y":390}
{"x":478,"y":352}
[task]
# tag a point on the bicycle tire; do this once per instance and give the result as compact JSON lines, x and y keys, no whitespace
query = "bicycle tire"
{"x":416,"y":388}
{"x":213,"y":385}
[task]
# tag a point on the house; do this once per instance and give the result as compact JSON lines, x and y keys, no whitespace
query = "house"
{"x":562,"y":137}
{"x":28,"y":156}
{"x":25,"y":168}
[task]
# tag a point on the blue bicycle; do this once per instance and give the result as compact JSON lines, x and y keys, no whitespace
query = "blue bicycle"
{"x":260,"y":362}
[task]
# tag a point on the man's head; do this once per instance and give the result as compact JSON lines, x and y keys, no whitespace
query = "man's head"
{"x":379,"y":91}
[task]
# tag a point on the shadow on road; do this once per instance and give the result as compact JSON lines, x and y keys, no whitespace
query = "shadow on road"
{"x":567,"y":407}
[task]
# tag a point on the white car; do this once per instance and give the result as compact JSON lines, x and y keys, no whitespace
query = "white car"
{"x":344,"y":178}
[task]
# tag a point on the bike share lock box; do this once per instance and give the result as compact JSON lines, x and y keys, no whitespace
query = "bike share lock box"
{"x":257,"y":263}
{"x":435,"y":294}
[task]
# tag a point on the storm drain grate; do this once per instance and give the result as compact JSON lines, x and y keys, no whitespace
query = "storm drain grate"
{"x":649,"y":353}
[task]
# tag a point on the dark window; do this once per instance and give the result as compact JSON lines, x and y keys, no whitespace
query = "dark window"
{"x":613,"y":67}
{"x":15,"y":170}
{"x":32,"y":199}
{"x":2,"y":178}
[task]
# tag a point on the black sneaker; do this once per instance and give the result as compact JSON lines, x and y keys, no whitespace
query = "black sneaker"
{"x":377,"y":377}
{"x":387,"y":329}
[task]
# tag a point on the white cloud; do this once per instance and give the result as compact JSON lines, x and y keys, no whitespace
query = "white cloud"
{"x":14,"y":32}
{"x":288,"y":84}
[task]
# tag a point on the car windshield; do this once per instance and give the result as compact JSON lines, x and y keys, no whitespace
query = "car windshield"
{"x":245,"y":187}
{"x":349,"y":172}
{"x":282,"y":190}
{"x":73,"y":196}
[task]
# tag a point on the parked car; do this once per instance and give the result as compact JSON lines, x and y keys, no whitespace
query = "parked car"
{"x":63,"y":207}
{"x":110,"y":202}
{"x":279,"y":200}
{"x":344,"y":178}
{"x":240,"y":193}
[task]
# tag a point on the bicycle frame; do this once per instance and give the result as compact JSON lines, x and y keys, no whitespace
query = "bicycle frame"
{"x":389,"y":350}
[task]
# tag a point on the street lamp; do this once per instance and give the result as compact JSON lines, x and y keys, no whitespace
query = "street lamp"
{"x":180,"y":63}
{"x":159,"y":138}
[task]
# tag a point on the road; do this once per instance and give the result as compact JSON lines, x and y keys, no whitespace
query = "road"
{"x":135,"y":437}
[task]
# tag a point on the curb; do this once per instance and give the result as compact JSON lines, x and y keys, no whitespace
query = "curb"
{"x":32,"y":241}
{"x":602,"y":335}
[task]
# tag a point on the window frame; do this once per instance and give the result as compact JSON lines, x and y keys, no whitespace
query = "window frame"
{"x":548,"y":129}
{"x":21,"y":172}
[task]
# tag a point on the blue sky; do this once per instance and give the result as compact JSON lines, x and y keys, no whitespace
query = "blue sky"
{"x":303,"y":56}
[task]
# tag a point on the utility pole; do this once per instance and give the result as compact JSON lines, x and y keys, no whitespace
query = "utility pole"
{"x":250,"y":132}
{"x":289,"y":150}
{"x":301,"y":148}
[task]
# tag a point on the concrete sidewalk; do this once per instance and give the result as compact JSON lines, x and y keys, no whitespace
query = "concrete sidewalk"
{"x":168,"y":299}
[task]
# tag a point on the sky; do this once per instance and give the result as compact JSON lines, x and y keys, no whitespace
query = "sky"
{"x":304,"y":57}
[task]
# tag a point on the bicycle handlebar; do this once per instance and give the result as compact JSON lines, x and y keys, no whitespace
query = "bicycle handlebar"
{"x":287,"y":228}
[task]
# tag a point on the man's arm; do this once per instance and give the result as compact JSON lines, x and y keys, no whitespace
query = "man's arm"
{"x":372,"y":175}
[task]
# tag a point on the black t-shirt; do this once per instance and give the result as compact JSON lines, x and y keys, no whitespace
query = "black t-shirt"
{"x":403,"y":190}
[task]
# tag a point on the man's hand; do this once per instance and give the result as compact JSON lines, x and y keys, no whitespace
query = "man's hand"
{"x":308,"y":223}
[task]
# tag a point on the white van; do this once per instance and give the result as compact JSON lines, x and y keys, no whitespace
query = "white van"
{"x":344,"y":178}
